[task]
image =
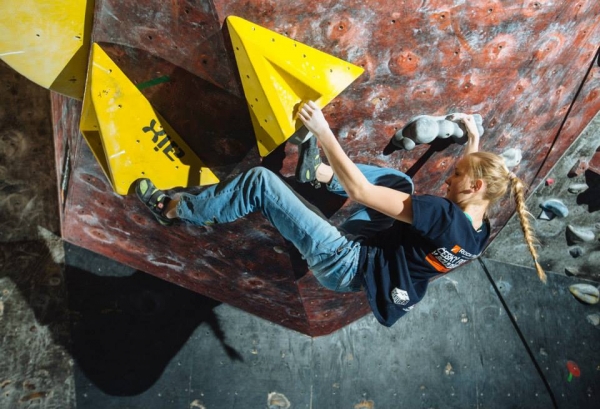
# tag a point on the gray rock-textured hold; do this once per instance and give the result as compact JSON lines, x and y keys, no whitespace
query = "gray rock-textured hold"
{"x":576,"y":251}
{"x":579,"y":234}
{"x":512,"y":157}
{"x":577,"y":188}
{"x":426,"y":128}
{"x":556,"y":207}
{"x":586,"y":293}
{"x":572,"y":271}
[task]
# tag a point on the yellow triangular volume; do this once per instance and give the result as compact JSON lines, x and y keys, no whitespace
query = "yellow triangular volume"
{"x":48,"y":41}
{"x":278,"y":74}
{"x":129,"y":139}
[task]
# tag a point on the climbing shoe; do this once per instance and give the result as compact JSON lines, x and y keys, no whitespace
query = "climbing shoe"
{"x":156,"y":200}
{"x":309,"y":160}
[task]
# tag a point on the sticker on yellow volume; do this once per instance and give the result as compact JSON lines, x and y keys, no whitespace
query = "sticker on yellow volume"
{"x":129,"y":138}
{"x":278,"y":74}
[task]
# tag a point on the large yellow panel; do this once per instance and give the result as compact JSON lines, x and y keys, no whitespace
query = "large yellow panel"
{"x":278,"y":74}
{"x":129,"y":139}
{"x":48,"y":41}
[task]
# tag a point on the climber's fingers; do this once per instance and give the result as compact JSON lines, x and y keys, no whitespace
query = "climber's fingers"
{"x":461,"y":117}
{"x":455,"y":117}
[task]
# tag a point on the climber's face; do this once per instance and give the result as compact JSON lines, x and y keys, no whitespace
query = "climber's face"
{"x":461,"y":185}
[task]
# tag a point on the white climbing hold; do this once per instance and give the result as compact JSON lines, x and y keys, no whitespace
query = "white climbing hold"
{"x":277,"y":400}
{"x":572,"y":271}
{"x":196,"y":404}
{"x":512,"y":157}
{"x":577,"y":188}
{"x":546,"y":215}
{"x":579,"y":234}
{"x":586,"y":293}
{"x":594,"y":319}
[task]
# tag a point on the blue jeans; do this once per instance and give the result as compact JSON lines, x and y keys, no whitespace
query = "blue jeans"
{"x":331,"y":254}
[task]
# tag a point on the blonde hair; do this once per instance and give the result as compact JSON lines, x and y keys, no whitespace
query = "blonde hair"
{"x":492,"y":170}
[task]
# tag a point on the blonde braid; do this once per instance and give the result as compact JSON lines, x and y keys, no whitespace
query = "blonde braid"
{"x":518,"y":190}
{"x":492,"y":169}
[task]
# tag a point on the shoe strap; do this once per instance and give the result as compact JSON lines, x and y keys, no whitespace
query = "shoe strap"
{"x":155,"y":200}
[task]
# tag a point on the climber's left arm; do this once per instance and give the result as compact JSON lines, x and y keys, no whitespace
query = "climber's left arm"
{"x":382,"y":199}
{"x":472,"y":132}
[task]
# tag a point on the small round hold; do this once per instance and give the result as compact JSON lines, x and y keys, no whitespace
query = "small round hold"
{"x":576,"y":251}
{"x":549,"y":182}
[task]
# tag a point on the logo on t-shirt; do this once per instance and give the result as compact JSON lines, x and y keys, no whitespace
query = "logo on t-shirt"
{"x":400,"y":297}
{"x":444,"y":260}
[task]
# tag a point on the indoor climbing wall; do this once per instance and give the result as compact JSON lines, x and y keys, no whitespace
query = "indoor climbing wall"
{"x":526,"y":66}
{"x":565,"y":210}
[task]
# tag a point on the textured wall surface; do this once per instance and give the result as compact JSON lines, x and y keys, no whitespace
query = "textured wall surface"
{"x":35,"y":369}
{"x":525,"y":66}
{"x":559,"y":251}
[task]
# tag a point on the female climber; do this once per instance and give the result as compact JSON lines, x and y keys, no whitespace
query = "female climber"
{"x":393,"y":245}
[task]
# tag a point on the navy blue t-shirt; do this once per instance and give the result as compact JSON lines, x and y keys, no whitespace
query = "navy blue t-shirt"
{"x":399,"y":262}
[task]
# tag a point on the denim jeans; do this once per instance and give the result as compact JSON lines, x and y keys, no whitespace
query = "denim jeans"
{"x":331,"y":254}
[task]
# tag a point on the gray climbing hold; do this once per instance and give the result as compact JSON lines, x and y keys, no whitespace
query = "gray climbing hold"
{"x":576,"y":251}
{"x":553,"y":207}
{"x":425,"y":128}
{"x":594,"y":319}
{"x":572,"y":271}
{"x":579,"y":234}
{"x":577,"y":188}
{"x":512,"y":157}
{"x":586,"y":293}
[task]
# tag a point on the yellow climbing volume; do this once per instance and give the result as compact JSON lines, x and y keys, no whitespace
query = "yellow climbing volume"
{"x":128,"y":138}
{"x":278,"y":74}
{"x":48,"y":41}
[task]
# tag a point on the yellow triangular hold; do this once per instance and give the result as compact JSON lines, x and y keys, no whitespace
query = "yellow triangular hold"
{"x":48,"y":41}
{"x":128,"y":138}
{"x":278,"y":74}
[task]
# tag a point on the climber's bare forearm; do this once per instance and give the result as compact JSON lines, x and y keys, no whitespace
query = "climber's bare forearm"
{"x":473,"y":143}
{"x":472,"y":132}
